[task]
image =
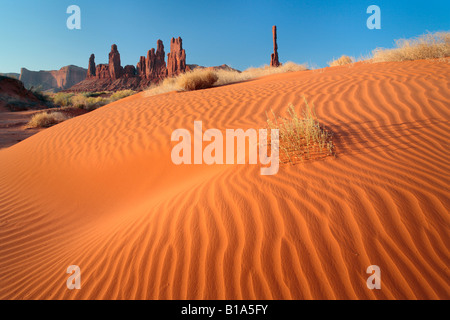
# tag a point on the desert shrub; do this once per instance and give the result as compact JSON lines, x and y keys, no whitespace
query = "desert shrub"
{"x":120,"y":95}
{"x":301,"y":137}
{"x":63,"y":99}
{"x":197,"y":79}
{"x":426,"y":46}
{"x":341,"y":61}
{"x":88,"y":103}
{"x":94,"y":94}
{"x":45,"y":120}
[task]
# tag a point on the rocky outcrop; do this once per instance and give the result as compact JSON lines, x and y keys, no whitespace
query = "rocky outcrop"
{"x":140,"y":67}
{"x":115,"y":69}
{"x":129,"y":71}
{"x":155,"y":63}
{"x":148,"y":70}
{"x":102,"y":72}
{"x":55,"y":80}
{"x":91,"y":67}
{"x":15,"y":97}
{"x":274,"y":62}
{"x":176,"y":59}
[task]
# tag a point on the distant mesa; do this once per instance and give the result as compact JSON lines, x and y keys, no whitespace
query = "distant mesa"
{"x":149,"y":70}
{"x":274,"y":62}
{"x":54,"y":80}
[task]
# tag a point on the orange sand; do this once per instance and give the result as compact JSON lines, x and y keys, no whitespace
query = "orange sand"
{"x":100,"y":191}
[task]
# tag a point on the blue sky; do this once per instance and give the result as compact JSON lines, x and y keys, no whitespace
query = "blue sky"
{"x":33,"y":33}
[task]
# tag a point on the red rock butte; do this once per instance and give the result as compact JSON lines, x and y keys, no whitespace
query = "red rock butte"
{"x":149,"y":70}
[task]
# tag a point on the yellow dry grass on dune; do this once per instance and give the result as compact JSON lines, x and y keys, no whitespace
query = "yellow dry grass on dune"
{"x":427,"y":46}
{"x":196,"y":80}
{"x":302,"y":137}
{"x":341,"y":61}
{"x":207,"y":78}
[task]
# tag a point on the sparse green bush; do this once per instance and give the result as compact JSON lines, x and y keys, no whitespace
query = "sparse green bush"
{"x":88,"y":100}
{"x":63,"y":99}
{"x":120,"y":95}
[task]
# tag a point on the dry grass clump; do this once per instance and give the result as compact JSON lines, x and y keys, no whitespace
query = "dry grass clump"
{"x":197,"y":79}
{"x":207,"y":78}
{"x":301,"y":137}
{"x":341,"y":61}
{"x":426,"y":46}
{"x":45,"y":120}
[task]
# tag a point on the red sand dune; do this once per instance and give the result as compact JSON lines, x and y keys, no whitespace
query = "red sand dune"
{"x":100,"y":191}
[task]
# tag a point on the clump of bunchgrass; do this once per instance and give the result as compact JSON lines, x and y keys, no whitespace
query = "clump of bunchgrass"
{"x":197,"y":79}
{"x":45,"y":120}
{"x":301,"y":137}
{"x":426,"y":46}
{"x":341,"y":61}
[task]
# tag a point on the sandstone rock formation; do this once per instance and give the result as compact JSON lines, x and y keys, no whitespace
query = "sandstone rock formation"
{"x":176,"y":59}
{"x":54,"y":80}
{"x":140,"y":67}
{"x":155,"y":63}
{"x":148,"y":70}
{"x":274,"y":56}
{"x":91,"y":67}
{"x":15,"y":97}
{"x":115,"y":69}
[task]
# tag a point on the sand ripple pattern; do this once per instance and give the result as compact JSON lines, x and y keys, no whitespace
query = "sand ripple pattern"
{"x":100,"y":191}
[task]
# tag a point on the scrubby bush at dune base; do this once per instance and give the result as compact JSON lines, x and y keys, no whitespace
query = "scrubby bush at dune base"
{"x":341,"y":61}
{"x":45,"y":120}
{"x":427,"y":46}
{"x":203,"y":78}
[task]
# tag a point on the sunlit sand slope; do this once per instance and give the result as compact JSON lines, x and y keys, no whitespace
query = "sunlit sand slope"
{"x":100,"y":191}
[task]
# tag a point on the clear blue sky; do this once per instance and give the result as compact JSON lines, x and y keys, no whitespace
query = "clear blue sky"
{"x":33,"y":33}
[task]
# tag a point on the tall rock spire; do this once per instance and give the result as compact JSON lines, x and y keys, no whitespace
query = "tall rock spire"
{"x":274,"y":56}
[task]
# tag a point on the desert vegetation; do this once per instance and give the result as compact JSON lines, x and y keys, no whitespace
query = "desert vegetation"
{"x":341,"y":61}
{"x":87,"y":100}
{"x":427,"y":46}
{"x":45,"y":120}
{"x":301,"y":136}
{"x":203,"y":78}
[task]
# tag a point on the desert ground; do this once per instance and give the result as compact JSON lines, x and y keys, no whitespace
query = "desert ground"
{"x":100,"y":191}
